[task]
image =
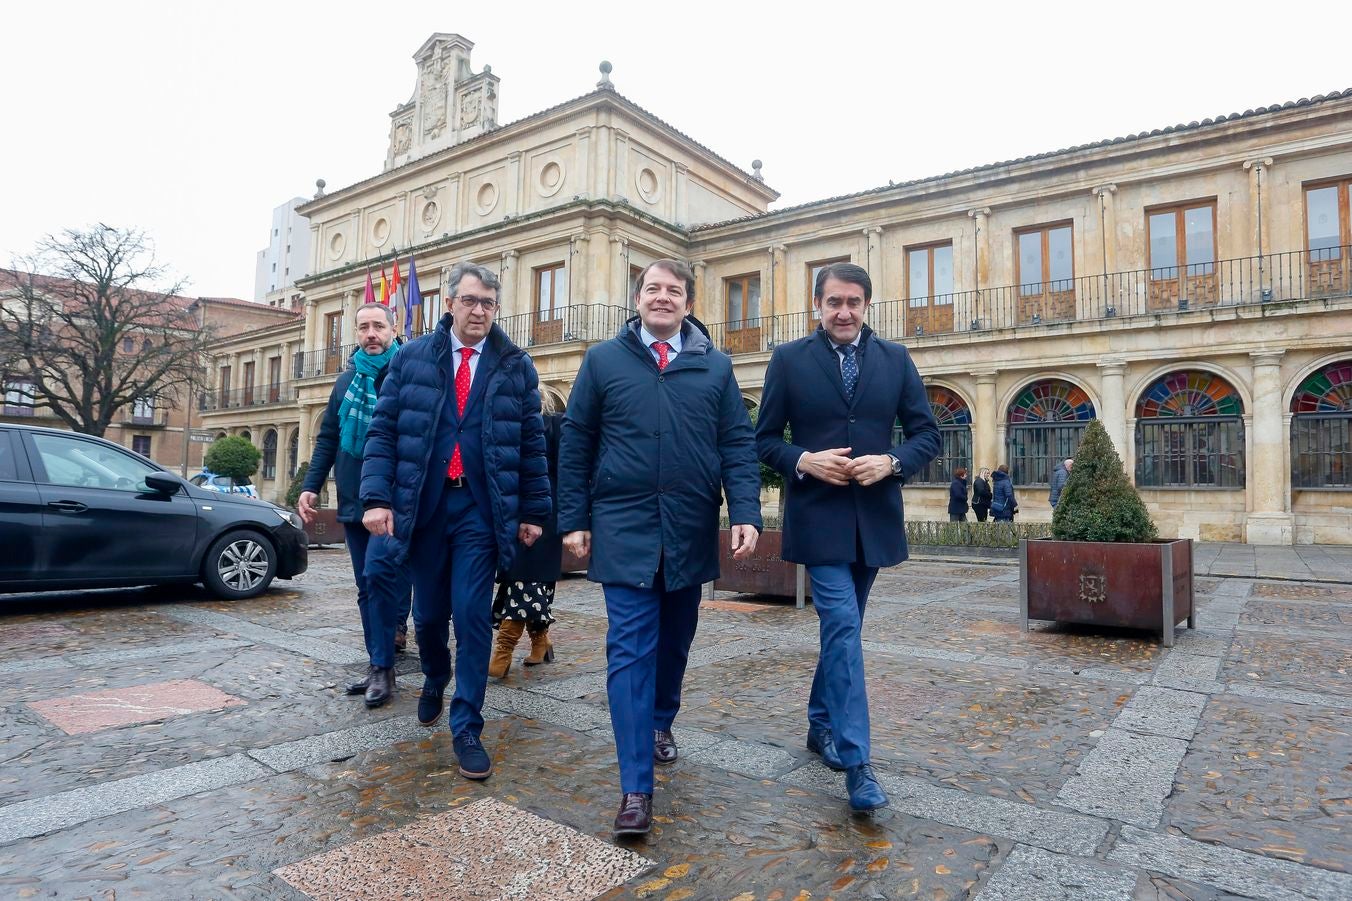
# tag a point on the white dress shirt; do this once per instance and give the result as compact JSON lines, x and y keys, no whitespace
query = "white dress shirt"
{"x":649,"y":340}
{"x":456,"y":358}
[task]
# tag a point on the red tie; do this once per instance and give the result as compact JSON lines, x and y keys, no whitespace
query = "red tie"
{"x":457,"y":468}
{"x":663,"y":350}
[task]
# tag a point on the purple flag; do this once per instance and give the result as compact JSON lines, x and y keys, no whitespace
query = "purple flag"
{"x":370,"y":292}
{"x":413,"y":300}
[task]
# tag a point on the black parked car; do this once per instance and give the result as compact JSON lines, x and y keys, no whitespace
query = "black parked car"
{"x":81,"y":512}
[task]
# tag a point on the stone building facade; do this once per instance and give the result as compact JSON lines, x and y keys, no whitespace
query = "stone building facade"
{"x":1190,"y":287}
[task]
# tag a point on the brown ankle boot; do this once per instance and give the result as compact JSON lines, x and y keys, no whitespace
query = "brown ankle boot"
{"x":509,"y":633}
{"x":541,"y":650}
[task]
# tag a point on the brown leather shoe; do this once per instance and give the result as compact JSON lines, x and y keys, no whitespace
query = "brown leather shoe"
{"x":401,"y":639}
{"x":509,"y":633}
{"x":636,"y":814}
{"x":664,"y":747}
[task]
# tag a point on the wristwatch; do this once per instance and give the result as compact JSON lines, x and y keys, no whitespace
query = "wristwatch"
{"x":896,"y":465}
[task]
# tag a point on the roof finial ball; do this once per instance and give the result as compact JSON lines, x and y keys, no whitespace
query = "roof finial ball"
{"x":320,"y":185}
{"x":756,"y":170}
{"x":606,"y":68}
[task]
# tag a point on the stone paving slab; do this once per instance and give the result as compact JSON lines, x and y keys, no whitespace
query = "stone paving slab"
{"x":96,"y":711}
{"x":486,"y":850}
{"x":1276,"y":661}
{"x":1264,"y":777}
{"x":1031,"y":874}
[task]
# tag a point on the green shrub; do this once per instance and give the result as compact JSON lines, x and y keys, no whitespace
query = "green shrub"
{"x":234,"y":457}
{"x":297,"y":480}
{"x":1099,"y":503}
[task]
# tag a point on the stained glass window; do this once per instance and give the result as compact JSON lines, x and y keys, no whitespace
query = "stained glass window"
{"x":955,"y":436}
{"x":1046,"y":422}
{"x":1189,"y":433}
{"x":1321,"y":429}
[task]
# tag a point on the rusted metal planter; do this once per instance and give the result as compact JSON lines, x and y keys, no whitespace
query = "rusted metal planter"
{"x":764,"y":572}
{"x":1136,"y":586}
{"x":325,"y":529}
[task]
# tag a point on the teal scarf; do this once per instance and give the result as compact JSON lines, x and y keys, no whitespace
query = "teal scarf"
{"x":359,"y":403}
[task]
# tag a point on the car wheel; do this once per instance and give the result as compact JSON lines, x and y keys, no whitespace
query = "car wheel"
{"x":239,"y":565}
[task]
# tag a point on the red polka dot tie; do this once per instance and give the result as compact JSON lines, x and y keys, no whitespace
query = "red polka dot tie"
{"x":663,"y":354}
{"x":457,"y":468}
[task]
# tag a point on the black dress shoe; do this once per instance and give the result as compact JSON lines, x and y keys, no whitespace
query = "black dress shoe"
{"x":429,"y":706}
{"x":636,"y":814}
{"x":664,"y":747}
{"x":359,"y":688}
{"x":380,"y":685}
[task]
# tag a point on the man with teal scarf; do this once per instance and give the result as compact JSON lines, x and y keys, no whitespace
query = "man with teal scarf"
{"x":383,"y":593}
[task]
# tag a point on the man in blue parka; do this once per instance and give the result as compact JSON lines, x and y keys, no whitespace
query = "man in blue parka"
{"x":455,"y":474}
{"x":656,"y":432}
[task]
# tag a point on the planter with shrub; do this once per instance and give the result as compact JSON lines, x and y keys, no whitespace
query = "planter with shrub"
{"x":1104,"y":564}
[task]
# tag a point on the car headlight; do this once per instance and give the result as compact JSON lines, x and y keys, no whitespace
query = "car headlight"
{"x":288,"y":516}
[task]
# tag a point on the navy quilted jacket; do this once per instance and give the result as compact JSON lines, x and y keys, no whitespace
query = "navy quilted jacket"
{"x":399,"y":442}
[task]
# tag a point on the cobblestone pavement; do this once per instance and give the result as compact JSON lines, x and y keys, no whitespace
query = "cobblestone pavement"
{"x":160,"y":744}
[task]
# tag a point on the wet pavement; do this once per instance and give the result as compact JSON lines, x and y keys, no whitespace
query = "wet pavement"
{"x":163,"y":745}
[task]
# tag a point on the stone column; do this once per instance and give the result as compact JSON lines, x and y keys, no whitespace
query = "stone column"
{"x":681,"y":211}
{"x":515,"y":184}
{"x":779,"y":282}
{"x":1114,"y":412}
{"x":619,"y":272}
{"x":310,"y":339}
{"x":1096,"y":301}
{"x":507,"y":275}
{"x":1269,"y":520}
{"x":579,"y":279}
{"x":1259,"y":204}
{"x":704,"y":300}
{"x":583,"y":180}
{"x":873,"y":260}
{"x":598,"y":263}
{"x":351,"y":300}
{"x":981,"y":267}
{"x":985,"y":419}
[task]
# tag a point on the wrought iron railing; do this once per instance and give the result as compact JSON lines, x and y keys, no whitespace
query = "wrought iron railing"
{"x":1270,"y":278}
{"x":257,"y":396}
{"x":325,"y":361}
{"x":579,"y":322}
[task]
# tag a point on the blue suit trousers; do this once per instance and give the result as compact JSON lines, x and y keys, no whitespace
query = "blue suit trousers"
{"x":647,"y":646}
{"x":839,"y":700}
{"x":454,"y":557}
{"x":383,"y":598}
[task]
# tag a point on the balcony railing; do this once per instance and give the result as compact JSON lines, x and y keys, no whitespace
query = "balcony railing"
{"x":239,"y":398}
{"x":325,"y":361}
{"x":1271,"y":278}
{"x":579,"y":322}
{"x":155,"y":419}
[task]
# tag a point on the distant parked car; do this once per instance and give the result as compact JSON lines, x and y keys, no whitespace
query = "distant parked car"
{"x":82,"y":512}
{"x":212,"y":482}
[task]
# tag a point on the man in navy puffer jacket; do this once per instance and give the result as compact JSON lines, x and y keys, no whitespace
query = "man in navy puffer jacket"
{"x":455,"y":473}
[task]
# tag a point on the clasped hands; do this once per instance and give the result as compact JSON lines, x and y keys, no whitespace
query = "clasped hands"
{"x":837,"y":467}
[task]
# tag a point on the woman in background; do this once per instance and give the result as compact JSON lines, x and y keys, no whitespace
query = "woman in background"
{"x":526,"y":595}
{"x":981,"y":495}
{"x":957,"y":496}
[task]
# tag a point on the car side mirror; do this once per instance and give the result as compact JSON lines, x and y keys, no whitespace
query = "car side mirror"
{"x":163,"y":483}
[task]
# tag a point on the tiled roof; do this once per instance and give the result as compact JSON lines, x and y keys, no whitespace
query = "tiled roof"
{"x":540,"y":115}
{"x":1172,"y":129}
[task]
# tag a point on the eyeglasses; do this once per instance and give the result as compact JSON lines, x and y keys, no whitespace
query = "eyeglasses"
{"x":469,"y":302}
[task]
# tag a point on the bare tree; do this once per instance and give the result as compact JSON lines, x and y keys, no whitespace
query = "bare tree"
{"x":97,"y":325}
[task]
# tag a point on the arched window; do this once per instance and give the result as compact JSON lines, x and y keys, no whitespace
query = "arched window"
{"x":1321,"y":429}
{"x":1189,"y":433}
{"x":1045,"y":423}
{"x":247,"y":436}
{"x":270,"y":454}
{"x":293,"y":454}
{"x":955,"y":436}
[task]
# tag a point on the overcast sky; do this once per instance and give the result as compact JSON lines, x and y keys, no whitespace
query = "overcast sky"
{"x":192,"y":121}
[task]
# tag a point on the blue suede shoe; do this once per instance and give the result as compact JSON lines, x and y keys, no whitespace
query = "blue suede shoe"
{"x":429,"y":705}
{"x":820,"y":741}
{"x":865,"y":792}
{"x":474,"y":761}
